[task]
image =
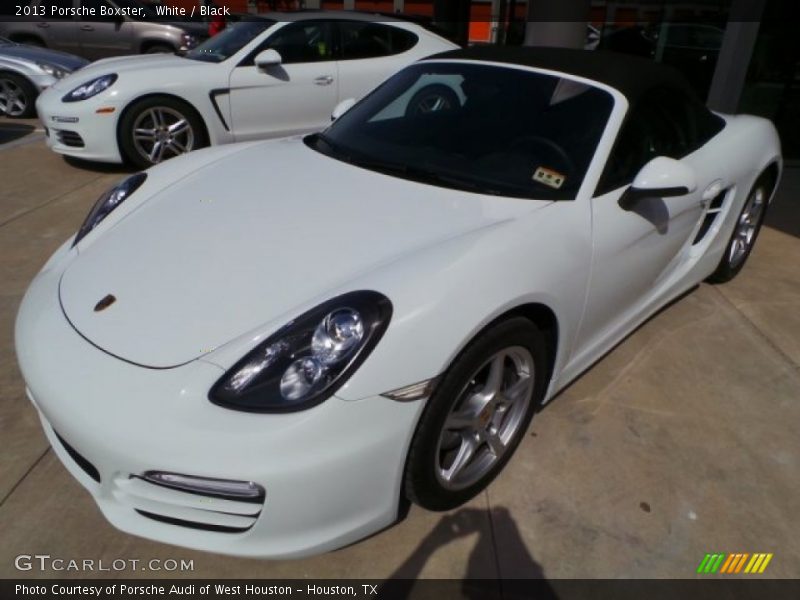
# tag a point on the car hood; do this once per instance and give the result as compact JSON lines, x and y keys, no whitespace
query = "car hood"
{"x":63,"y":60}
{"x":154,"y":65}
{"x":252,"y":238}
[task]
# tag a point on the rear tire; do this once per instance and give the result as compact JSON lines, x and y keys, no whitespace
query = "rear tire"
{"x":159,"y":128}
{"x":745,"y":233}
{"x":17,"y":96}
{"x":477,"y":415}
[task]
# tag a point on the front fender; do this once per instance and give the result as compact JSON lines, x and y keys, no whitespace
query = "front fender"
{"x":445,"y":296}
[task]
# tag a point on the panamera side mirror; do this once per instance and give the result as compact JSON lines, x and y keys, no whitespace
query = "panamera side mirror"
{"x":664,"y":177}
{"x":268,"y":58}
{"x":342,"y":108}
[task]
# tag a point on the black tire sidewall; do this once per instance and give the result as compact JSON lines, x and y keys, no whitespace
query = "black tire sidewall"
{"x":125,"y":129}
{"x":421,"y":484}
{"x":30,"y":95}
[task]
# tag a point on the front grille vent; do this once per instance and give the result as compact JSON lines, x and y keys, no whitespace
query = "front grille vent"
{"x":84,"y":464}
{"x":69,"y":138}
{"x":209,"y":512}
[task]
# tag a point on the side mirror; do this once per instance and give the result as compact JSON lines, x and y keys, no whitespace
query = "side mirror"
{"x":268,"y":58}
{"x":342,"y":108}
{"x":663,"y":177}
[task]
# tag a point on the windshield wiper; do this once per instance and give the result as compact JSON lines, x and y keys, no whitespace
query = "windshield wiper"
{"x":424,"y":175}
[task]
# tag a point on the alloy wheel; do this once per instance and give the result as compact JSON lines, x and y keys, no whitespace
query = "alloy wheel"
{"x":160,"y":133}
{"x":747,"y":227}
{"x":485,"y":418}
{"x":13,"y":101}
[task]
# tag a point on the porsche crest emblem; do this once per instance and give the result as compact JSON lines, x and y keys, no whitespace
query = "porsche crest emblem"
{"x":105,"y":303}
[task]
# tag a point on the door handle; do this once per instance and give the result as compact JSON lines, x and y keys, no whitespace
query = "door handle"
{"x":43,"y":25}
{"x":87,"y":28}
{"x":324,"y":80}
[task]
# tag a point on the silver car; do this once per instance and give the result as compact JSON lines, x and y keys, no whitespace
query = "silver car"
{"x":96,"y":28}
{"x":25,"y":71}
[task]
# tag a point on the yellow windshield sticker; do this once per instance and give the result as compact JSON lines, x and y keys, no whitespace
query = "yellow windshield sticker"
{"x":549,"y":177}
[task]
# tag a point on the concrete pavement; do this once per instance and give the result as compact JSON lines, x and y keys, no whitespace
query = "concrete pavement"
{"x":681,"y":441}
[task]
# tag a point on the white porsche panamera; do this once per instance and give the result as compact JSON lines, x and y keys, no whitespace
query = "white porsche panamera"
{"x":270,"y":76}
{"x":264,"y":349}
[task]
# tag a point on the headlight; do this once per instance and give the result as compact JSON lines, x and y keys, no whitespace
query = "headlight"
{"x":305,"y":362}
{"x":53,"y":70}
{"x":90,"y":88}
{"x":108,"y":202}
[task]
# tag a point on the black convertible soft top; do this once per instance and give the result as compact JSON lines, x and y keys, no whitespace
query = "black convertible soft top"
{"x":633,"y":76}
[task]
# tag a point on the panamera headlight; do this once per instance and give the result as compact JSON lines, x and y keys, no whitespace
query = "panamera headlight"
{"x":90,"y":88}
{"x":108,"y":202}
{"x":53,"y":70}
{"x":305,"y":362}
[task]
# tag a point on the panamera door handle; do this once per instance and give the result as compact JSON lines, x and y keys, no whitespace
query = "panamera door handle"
{"x":324,"y":80}
{"x":43,"y":25}
{"x":87,"y":28}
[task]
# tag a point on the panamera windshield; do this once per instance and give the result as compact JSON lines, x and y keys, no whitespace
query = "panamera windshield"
{"x":229,"y":41}
{"x":487,"y":129}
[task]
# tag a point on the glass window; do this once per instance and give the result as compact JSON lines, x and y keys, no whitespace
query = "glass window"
{"x":302,"y":42}
{"x":361,"y":39}
{"x":666,"y":122}
{"x":229,"y":41}
{"x":479,"y":128}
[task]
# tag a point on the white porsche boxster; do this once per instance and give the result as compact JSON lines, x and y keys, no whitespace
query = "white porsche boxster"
{"x":266,"y":348}
{"x":262,"y":77}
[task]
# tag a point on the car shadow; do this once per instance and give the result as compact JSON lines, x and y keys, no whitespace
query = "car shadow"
{"x":501,"y":532}
{"x":11,"y":131}
{"x":98,"y":167}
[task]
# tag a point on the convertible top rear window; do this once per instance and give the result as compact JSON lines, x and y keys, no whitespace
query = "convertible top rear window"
{"x":481,"y":128}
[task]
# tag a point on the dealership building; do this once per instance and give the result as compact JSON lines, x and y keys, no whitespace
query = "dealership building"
{"x":740,"y":55}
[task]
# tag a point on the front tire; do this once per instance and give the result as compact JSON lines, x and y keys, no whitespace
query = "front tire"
{"x":748,"y":226}
{"x":158,"y":128}
{"x":17,"y":96}
{"x":477,"y":416}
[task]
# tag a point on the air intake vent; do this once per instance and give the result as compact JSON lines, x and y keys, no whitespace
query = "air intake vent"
{"x":714,"y":208}
{"x":69,"y":138}
{"x":84,"y":464}
{"x":213,"y":511}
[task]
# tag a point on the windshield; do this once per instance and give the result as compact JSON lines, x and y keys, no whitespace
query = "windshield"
{"x":487,"y":129}
{"x":229,"y":41}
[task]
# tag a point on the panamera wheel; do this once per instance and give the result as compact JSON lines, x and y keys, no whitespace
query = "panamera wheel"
{"x":477,"y":416}
{"x":156,"y":130}
{"x":17,"y":96}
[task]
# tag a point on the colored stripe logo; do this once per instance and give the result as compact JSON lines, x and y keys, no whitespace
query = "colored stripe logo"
{"x":739,"y":562}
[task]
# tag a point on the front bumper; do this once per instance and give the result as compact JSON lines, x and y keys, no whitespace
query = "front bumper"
{"x":332,"y":474}
{"x":77,"y":129}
